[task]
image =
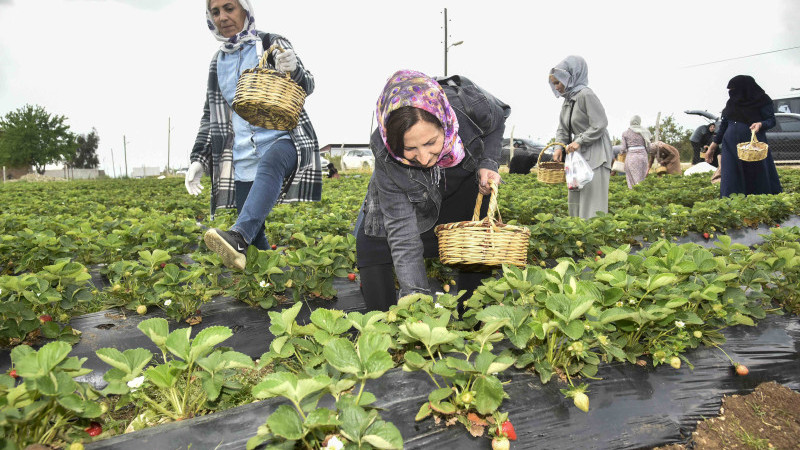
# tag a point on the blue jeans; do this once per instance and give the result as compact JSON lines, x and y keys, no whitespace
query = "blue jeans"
{"x":276,"y":164}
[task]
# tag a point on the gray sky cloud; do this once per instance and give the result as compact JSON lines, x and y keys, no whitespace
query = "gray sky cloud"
{"x":126,"y":67}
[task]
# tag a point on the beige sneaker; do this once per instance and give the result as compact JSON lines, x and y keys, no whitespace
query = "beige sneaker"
{"x":229,"y":245}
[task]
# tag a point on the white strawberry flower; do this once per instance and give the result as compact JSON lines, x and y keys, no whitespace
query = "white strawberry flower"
{"x":168,"y":302}
{"x":438,"y":306}
{"x":264,"y":284}
{"x":136,"y":382}
{"x":679,"y":324}
{"x":334,"y":444}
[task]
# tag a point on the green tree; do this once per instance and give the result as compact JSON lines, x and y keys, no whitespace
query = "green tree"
{"x":33,"y":137}
{"x":675,"y":135}
{"x":86,"y":155}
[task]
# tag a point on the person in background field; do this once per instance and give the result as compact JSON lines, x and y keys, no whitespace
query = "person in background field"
{"x":668,"y":157}
{"x":251,"y":168}
{"x":435,"y":148}
{"x":701,"y":138}
{"x":748,"y":110}
{"x":332,"y":172}
{"x":582,"y":125}
{"x":636,"y":142}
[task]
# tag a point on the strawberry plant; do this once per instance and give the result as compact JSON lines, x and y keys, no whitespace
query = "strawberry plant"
{"x":48,"y":406}
{"x":262,"y":280}
{"x":168,"y":389}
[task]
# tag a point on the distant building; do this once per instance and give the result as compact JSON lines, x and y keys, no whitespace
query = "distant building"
{"x":339,"y":149}
{"x":75,"y":174}
{"x":142,"y":172}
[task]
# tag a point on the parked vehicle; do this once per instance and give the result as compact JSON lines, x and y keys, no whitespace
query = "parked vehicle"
{"x":525,"y":147}
{"x":783,"y":138}
{"x":358,"y":159}
{"x":324,"y":164}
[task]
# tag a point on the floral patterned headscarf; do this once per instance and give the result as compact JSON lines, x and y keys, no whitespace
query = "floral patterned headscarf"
{"x":235,"y":42}
{"x":412,"y":88}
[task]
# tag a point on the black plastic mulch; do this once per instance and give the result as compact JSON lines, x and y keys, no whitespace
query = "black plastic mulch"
{"x":631,"y":406}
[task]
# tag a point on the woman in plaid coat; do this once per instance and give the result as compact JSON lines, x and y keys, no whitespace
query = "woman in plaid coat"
{"x":251,"y":168}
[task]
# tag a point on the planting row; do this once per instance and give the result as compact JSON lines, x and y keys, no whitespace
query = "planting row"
{"x":560,"y":323}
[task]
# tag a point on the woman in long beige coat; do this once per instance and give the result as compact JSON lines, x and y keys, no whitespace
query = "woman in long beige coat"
{"x":583,"y":126}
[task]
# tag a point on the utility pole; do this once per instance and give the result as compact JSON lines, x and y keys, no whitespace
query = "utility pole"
{"x":169,"y":131}
{"x":125,"y":153}
{"x":445,"y":42}
{"x":447,"y":47}
{"x":113,"y":167}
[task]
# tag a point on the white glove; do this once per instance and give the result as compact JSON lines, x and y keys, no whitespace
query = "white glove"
{"x":286,"y":61}
{"x":193,"y":176}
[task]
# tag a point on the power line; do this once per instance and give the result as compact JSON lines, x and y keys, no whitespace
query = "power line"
{"x":742,"y":57}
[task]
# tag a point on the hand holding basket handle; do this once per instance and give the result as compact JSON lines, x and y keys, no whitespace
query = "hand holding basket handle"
{"x":285,"y":60}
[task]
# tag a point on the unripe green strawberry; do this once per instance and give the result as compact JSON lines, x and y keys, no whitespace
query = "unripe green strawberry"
{"x":141,"y":309}
{"x":675,"y":362}
{"x":76,"y":446}
{"x":581,"y":400}
{"x":500,"y":443}
{"x":698,"y":334}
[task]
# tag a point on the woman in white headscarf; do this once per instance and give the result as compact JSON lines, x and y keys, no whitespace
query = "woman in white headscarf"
{"x":636,"y":142}
{"x":252,"y":168}
{"x":582,"y":125}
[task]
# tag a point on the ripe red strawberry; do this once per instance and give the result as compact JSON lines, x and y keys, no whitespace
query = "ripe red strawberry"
{"x":274,"y":247}
{"x":500,"y":443}
{"x":163,"y":265}
{"x":94,"y":429}
{"x":351,"y":276}
{"x":741,"y":370}
{"x":508,"y":430}
{"x":599,"y":253}
{"x":45,"y":318}
{"x":13,"y":373}
{"x":706,"y":235}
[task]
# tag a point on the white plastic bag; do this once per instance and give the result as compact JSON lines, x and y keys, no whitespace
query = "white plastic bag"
{"x":577,"y":171}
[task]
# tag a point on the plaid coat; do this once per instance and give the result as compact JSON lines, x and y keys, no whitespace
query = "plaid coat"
{"x":212,"y":147}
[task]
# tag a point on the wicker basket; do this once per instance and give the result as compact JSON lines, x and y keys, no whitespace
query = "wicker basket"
{"x":268,"y":98}
{"x":550,"y":172}
{"x":483,"y":243}
{"x":753,"y":150}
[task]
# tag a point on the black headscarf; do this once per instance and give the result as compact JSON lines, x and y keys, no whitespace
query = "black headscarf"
{"x":746,"y":100}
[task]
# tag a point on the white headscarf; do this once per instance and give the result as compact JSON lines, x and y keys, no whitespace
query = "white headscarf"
{"x":572,"y":73}
{"x":247,"y":34}
{"x":636,"y":127}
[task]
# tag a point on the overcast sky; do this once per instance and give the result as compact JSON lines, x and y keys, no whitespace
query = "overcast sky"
{"x":126,"y":67}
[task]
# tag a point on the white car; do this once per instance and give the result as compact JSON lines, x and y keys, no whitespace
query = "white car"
{"x":324,"y":165}
{"x":358,"y":159}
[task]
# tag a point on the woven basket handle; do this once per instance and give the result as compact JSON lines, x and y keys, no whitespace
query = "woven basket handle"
{"x":262,"y":64}
{"x":548,"y":146}
{"x":492,"y":206}
{"x":753,"y":139}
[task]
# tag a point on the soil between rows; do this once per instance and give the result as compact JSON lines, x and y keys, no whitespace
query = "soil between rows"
{"x":769,"y":417}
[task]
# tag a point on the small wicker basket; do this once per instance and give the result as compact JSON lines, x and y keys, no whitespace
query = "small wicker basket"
{"x":752,"y":151}
{"x":479,"y":244}
{"x":550,"y":172}
{"x":268,"y":98}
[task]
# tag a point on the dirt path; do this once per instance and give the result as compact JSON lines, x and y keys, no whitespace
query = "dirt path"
{"x":767,"y":418}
